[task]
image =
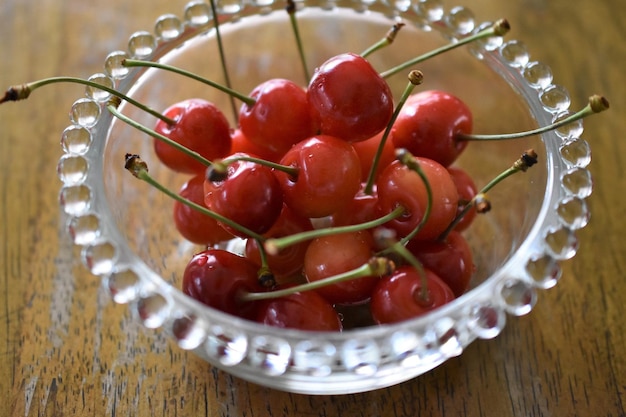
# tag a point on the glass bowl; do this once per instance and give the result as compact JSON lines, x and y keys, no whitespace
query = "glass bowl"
{"x":127,"y":236}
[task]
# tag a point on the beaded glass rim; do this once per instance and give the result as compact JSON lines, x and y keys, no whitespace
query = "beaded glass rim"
{"x":355,"y":360}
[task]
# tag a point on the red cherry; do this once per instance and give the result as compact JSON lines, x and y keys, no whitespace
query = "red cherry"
{"x":193,"y":225}
{"x":399,"y":297}
{"x":399,"y":186}
{"x":288,"y":261}
{"x":335,"y":254}
{"x":217,"y":278}
{"x":279,"y":118}
{"x":303,"y":310}
{"x":362,"y":208}
{"x":329,"y":175}
{"x":466,"y":187}
{"x":450,"y":259}
{"x":428,"y":125}
{"x":241,"y":144}
{"x":250,"y":196}
{"x":367,"y":150}
{"x":201,"y":127}
{"x":349,"y":99}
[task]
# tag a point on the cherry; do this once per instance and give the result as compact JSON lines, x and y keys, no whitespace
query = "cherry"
{"x":429,"y":125}
{"x":193,"y":225}
{"x":250,"y":195}
{"x":279,"y":118}
{"x":241,"y":144}
{"x":349,"y":99}
{"x":201,"y":127}
{"x":329,"y":175}
{"x":451,"y":259}
{"x":217,"y":278}
{"x":367,"y":150}
{"x":289,"y":261}
{"x":301,"y":310}
{"x":400,"y":186}
{"x":399,"y":297}
{"x":361,"y":209}
{"x":466,"y":187}
{"x":332,"y":255}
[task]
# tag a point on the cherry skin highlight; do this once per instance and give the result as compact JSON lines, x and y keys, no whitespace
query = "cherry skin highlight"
{"x":201,"y":127}
{"x":428,"y":125}
{"x":349,"y":99}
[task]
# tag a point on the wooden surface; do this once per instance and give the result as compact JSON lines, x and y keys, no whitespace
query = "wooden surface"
{"x":66,"y":350}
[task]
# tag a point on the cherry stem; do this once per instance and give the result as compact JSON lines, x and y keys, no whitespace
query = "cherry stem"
{"x":408,"y":160}
{"x":595,"y":105}
{"x":139,"y":169}
{"x":390,"y":36}
{"x":22,"y":92}
{"x":499,"y":28}
{"x":291,"y":10}
{"x":275,"y":245}
{"x":218,"y":169}
{"x":112,"y":107}
{"x":152,"y":64}
{"x":265,"y":276}
{"x":415,"y":78}
{"x":220,"y":47}
{"x":525,"y":161}
{"x":377,"y":266}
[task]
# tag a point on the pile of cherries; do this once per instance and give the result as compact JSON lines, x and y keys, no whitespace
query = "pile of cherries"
{"x":323,"y":158}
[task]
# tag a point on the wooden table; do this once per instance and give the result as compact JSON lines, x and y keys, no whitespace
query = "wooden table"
{"x":64,"y":346}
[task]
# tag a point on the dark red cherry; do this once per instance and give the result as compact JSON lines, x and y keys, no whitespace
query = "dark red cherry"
{"x":349,"y":99}
{"x":193,"y":225}
{"x":428,"y":125}
{"x":279,"y":118}
{"x":250,"y":195}
{"x":399,"y":297}
{"x":450,"y":259}
{"x":201,"y":127}
{"x":303,"y":310}
{"x":218,"y":278}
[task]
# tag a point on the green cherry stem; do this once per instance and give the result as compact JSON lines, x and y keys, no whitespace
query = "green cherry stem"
{"x":596,"y":104}
{"x":291,"y":11}
{"x":377,"y":266}
{"x":499,"y":28}
{"x":220,"y":47}
{"x":152,"y":64}
{"x":275,"y":245}
{"x":112,"y":108}
{"x":22,"y":92}
{"x":217,"y":171}
{"x":390,"y":36}
{"x":525,"y":161}
{"x":139,"y":169}
{"x":415,"y":78}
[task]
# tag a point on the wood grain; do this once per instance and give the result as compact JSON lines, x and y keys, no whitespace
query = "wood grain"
{"x":66,"y":350}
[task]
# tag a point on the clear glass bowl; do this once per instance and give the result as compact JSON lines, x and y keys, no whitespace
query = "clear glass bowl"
{"x":128,"y":238}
